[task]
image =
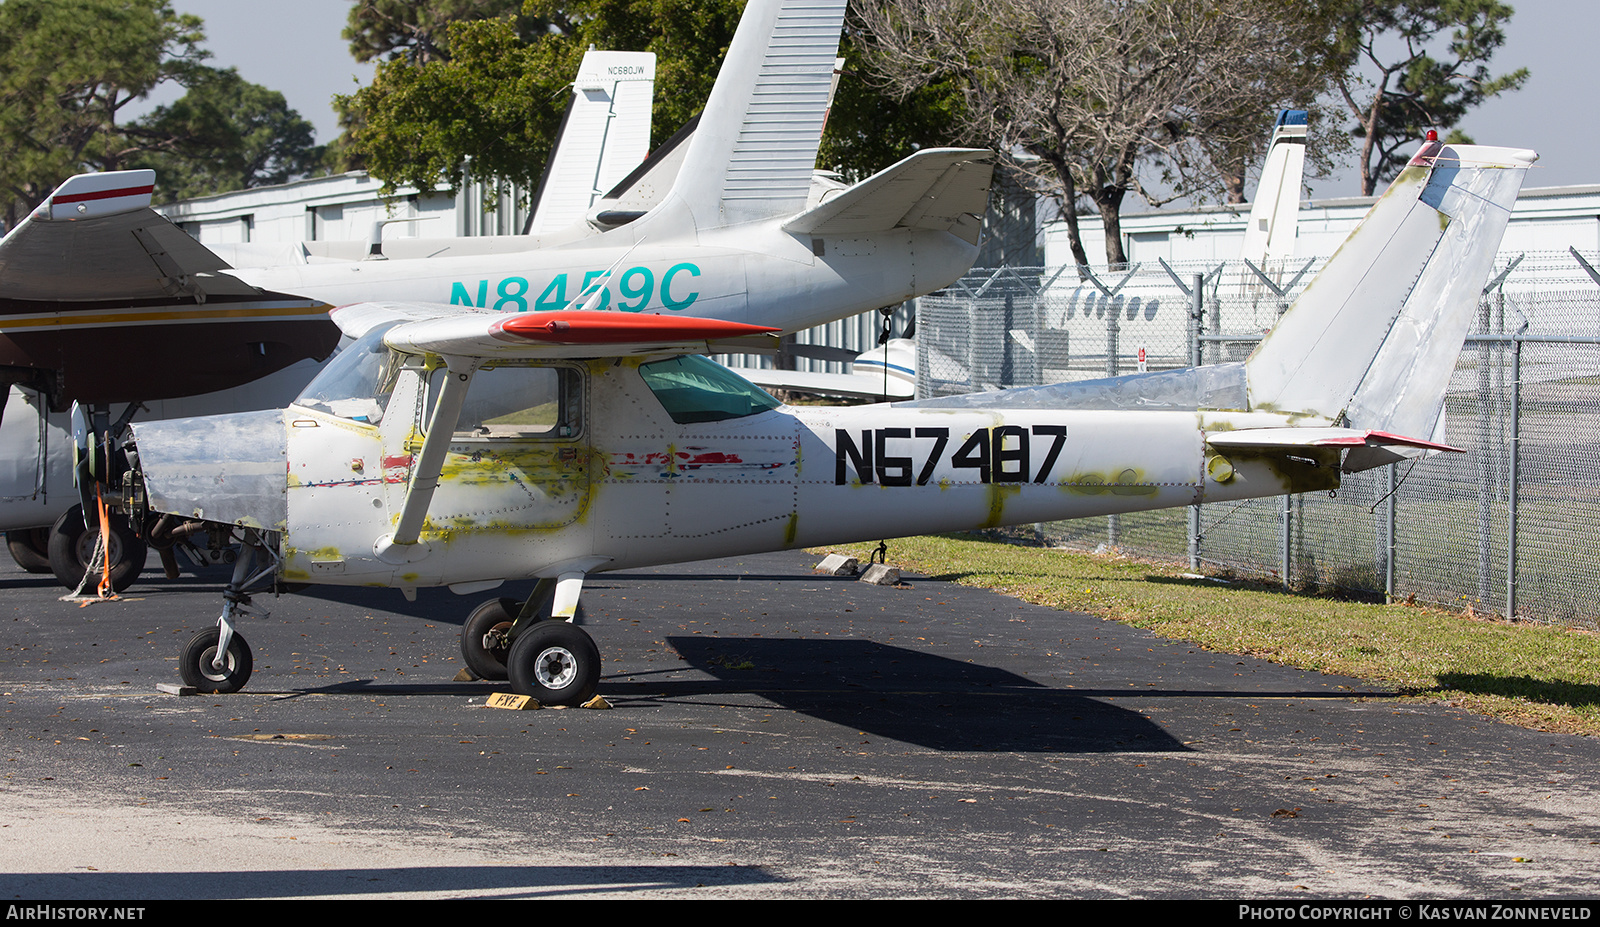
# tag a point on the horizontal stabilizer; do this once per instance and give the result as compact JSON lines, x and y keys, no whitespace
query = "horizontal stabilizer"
{"x":1320,"y":437}
{"x":458,"y":332}
{"x":941,"y":189}
{"x":1368,"y":449}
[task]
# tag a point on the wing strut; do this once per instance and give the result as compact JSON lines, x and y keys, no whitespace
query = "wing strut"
{"x":400,"y":546}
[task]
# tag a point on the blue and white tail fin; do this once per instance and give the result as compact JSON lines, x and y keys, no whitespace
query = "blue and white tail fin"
{"x":1270,"y":232}
{"x":755,"y":146}
{"x":1372,"y":342}
{"x":604,"y":135}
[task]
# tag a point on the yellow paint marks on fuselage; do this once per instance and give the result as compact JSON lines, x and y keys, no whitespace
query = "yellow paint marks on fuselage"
{"x":998,"y":492}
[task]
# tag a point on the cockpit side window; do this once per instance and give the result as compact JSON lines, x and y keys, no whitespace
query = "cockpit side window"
{"x":518,"y":403}
{"x":694,"y":389}
{"x":356,"y":384}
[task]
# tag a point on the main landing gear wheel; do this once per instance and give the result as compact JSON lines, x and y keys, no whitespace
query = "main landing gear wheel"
{"x":555,"y":662}
{"x":485,"y":637}
{"x":72,"y":548}
{"x":195,"y":664}
{"x":30,"y":547}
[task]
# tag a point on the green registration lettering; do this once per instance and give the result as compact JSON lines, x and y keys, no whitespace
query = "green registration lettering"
{"x":554,"y":296}
{"x":512,"y":301}
{"x":460,"y":297}
{"x":666,"y":287}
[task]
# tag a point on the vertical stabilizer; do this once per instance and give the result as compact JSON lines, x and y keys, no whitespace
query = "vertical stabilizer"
{"x":1270,"y":232}
{"x":604,"y":135}
{"x":1375,"y":336}
{"x":756,"y":144}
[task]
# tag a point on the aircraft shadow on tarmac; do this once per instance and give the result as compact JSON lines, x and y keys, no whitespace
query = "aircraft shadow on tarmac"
{"x":478,"y":881}
{"x":1551,"y":692}
{"x":910,"y":696}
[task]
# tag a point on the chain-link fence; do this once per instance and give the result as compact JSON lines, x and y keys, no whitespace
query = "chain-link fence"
{"x":1510,"y":526}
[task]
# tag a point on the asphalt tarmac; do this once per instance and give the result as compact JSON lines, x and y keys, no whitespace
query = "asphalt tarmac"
{"x":774,"y":734}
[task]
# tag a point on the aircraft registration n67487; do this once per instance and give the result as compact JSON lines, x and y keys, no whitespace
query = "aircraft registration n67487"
{"x":462,"y":447}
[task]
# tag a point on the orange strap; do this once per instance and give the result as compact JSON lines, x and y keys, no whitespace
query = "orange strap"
{"x":106,"y":592}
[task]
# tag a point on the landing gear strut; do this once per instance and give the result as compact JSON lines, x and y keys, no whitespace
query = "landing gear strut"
{"x":218,"y":659}
{"x":544,"y":656}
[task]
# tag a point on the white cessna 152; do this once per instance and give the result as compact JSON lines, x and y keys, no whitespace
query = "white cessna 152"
{"x":452,"y":446}
{"x":739,"y":234}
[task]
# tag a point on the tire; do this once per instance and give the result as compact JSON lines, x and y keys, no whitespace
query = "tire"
{"x":30,"y":548}
{"x":195,"y":664}
{"x":492,"y":617}
{"x":555,"y":662}
{"x":71,"y":546}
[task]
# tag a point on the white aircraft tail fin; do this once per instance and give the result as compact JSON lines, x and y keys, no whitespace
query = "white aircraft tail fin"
{"x":604,"y":135}
{"x":756,"y":143}
{"x":1271,"y":230}
{"x":1374,"y":338}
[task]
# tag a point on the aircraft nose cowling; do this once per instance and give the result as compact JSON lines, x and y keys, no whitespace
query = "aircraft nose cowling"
{"x":224,"y":468}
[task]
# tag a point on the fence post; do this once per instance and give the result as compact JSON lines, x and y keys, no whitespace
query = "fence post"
{"x":1515,"y":454}
{"x":1287,"y":539}
{"x":1485,"y":452}
{"x":1197,"y":305}
{"x":1389,"y":531}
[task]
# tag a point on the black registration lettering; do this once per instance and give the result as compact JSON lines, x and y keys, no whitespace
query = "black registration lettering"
{"x":1009,"y":464}
{"x":860,"y":455}
{"x":1059,"y":432}
{"x":1002,"y":454}
{"x":892,"y":471}
{"x":941,"y":437}
{"x":974,"y":454}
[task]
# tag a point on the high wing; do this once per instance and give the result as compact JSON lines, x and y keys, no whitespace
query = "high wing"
{"x":457,"y":332}
{"x":96,"y":238}
{"x":94,"y":256}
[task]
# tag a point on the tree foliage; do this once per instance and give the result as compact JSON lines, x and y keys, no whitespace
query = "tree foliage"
{"x":226,"y":134}
{"x":1097,"y":97}
{"x":1391,"y":83}
{"x":485,"y":101}
{"x":869,"y":129}
{"x":73,"y":67}
{"x":417,"y":30}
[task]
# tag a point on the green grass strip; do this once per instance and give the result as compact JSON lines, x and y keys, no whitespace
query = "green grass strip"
{"x":1537,"y":676}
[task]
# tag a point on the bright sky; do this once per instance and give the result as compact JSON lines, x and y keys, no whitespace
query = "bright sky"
{"x":293,"y":46}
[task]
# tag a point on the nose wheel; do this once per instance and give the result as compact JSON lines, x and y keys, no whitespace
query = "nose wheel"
{"x":199,"y":663}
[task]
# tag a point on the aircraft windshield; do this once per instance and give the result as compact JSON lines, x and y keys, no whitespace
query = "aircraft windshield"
{"x":694,"y":389}
{"x":357,"y":382}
